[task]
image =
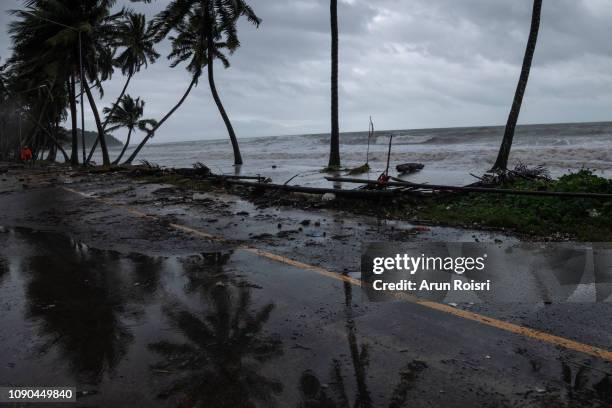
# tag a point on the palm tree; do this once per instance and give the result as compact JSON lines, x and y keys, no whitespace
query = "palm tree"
{"x":137,"y":45}
{"x":127,"y":113}
{"x":334,"y":154}
{"x":41,"y":97}
{"x":157,"y":125}
{"x":501,"y":163}
{"x":49,"y":36}
{"x":204,"y":30}
{"x":3,"y":82}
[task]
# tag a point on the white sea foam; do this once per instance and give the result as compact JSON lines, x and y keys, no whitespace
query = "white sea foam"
{"x":449,"y":155}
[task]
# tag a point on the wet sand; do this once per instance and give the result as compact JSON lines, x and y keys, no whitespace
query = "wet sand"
{"x":100,"y":290}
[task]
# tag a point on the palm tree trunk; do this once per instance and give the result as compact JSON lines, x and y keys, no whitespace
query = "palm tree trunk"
{"x":501,"y":163}
{"x":53,"y":139}
{"x":152,"y":132}
{"x":95,"y":145}
{"x":215,"y":94}
{"x":74,"y":155}
{"x":127,"y":142}
{"x":334,"y":154}
{"x":101,"y":136}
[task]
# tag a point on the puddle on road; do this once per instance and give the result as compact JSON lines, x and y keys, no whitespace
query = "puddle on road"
{"x":202,"y":330}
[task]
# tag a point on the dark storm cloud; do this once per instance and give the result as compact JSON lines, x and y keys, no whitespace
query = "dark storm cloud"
{"x":417,"y":63}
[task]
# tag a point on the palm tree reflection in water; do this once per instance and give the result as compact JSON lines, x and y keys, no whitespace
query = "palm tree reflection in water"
{"x":225,"y":348}
{"x":82,"y":299}
{"x":314,"y":395}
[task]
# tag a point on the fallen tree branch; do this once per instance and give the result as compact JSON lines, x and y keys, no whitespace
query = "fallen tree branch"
{"x":318,"y":190}
{"x":437,"y":187}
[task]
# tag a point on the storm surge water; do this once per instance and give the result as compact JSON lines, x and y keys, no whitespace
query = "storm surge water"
{"x":449,"y":154}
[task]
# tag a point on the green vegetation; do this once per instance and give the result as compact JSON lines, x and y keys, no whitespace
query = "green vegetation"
{"x":555,"y":217}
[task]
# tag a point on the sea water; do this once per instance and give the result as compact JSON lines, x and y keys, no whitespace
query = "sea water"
{"x":450,"y":155}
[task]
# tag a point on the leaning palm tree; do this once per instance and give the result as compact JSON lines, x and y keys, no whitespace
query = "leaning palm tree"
{"x":137,"y":50}
{"x":196,"y":72}
{"x":501,"y":163}
{"x":214,"y":22}
{"x":334,"y":154}
{"x":52,"y":35}
{"x":127,"y":113}
{"x":205,"y":31}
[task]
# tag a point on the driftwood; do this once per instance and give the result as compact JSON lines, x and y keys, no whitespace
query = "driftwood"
{"x":409,"y":167}
{"x":437,"y":187}
{"x":318,"y":190}
{"x":222,"y":177}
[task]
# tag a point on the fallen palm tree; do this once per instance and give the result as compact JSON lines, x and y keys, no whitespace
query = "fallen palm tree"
{"x":467,"y":189}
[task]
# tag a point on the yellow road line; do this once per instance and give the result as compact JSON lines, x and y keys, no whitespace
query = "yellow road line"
{"x":464,"y":314}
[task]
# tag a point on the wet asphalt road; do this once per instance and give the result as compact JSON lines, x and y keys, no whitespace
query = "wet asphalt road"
{"x":136,"y":313}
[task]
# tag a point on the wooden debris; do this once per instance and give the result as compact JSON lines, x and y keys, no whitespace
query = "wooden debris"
{"x":437,"y":187}
{"x":409,"y":167}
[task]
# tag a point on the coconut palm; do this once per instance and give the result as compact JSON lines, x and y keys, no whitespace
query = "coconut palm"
{"x":41,"y":99}
{"x":334,"y":154}
{"x":137,"y":50}
{"x":49,"y":35}
{"x":3,"y":82}
{"x":205,"y":30}
{"x":501,"y":163}
{"x":127,"y":113}
{"x":195,"y":74}
{"x":200,"y":26}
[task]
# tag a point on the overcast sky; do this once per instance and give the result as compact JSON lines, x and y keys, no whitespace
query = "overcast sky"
{"x":408,"y":63}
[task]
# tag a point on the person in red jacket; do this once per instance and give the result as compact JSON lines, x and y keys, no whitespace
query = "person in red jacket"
{"x":26,"y":155}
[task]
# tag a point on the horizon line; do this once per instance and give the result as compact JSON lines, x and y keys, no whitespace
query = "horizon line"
{"x":383,"y":130}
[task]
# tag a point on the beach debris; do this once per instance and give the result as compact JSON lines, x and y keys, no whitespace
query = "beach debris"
{"x":328,"y":197}
{"x":287,"y":233}
{"x":201,"y":169}
{"x":520,"y":171}
{"x":408,"y":168}
{"x":469,"y":189}
{"x":149,"y":165}
{"x":359,"y":170}
{"x":366,"y":167}
{"x":384,"y":178}
{"x":305,"y":223}
{"x":593,"y":213}
{"x":420,"y":228}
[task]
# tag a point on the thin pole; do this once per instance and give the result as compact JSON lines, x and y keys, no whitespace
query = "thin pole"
{"x":20,"y":141}
{"x":82,"y":104}
{"x":370,"y":134}
{"x":389,"y":155}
